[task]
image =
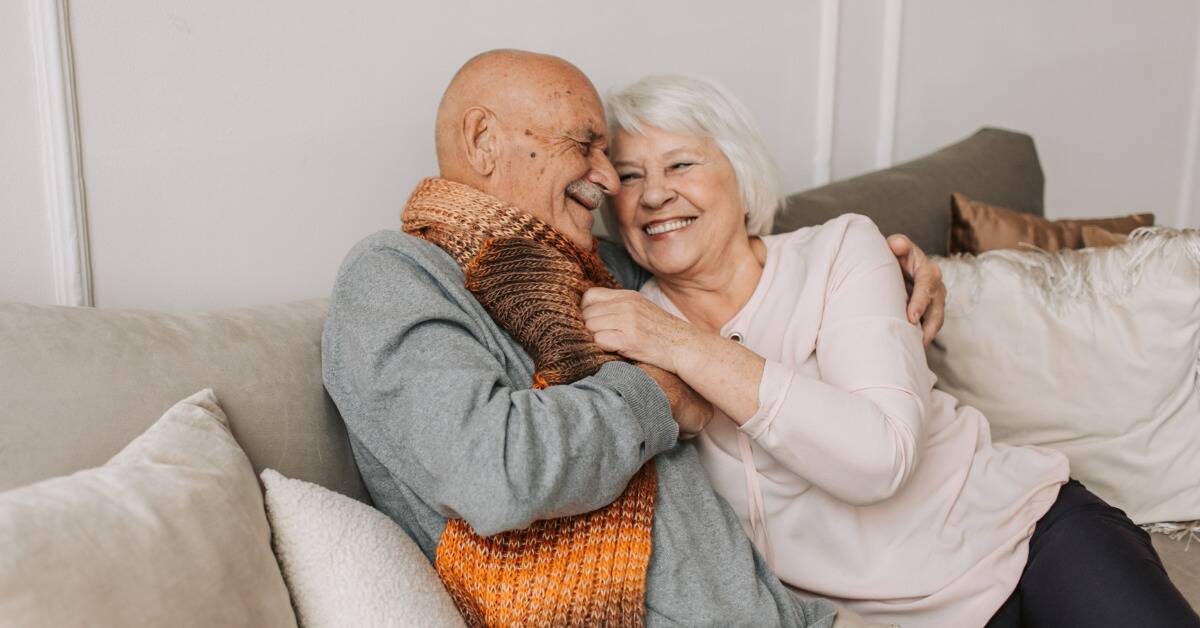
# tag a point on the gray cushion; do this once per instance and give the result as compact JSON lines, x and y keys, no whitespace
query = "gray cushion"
{"x":79,"y":384}
{"x":1182,"y":560}
{"x":993,"y":165}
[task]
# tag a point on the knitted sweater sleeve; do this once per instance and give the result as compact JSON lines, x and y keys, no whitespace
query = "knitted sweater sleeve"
{"x":420,"y":377}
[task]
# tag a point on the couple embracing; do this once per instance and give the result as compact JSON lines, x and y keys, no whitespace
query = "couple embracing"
{"x":709,"y":426}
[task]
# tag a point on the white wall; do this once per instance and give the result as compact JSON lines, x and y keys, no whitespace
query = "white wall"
{"x":234,"y":151}
{"x":1104,"y":86}
{"x":25,"y":263}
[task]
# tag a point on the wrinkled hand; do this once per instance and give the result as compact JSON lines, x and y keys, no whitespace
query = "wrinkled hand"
{"x":691,"y":411}
{"x":927,"y":293}
{"x":627,"y":323}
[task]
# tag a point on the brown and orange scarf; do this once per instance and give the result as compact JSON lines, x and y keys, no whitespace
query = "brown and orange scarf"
{"x":587,"y":569}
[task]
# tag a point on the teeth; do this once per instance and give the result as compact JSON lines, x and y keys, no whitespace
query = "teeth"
{"x":670,"y":225}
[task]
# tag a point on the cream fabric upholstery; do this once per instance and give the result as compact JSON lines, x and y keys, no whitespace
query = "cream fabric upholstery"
{"x":79,"y":383}
{"x":171,"y":532}
{"x":1094,"y":353}
{"x":347,"y":564}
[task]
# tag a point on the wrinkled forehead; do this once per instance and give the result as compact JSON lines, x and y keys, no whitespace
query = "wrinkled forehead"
{"x":560,"y":106}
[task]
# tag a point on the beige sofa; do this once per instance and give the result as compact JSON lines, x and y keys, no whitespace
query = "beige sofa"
{"x":77,"y":385}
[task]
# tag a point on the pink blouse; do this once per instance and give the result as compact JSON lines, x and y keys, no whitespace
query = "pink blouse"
{"x":856,"y":479}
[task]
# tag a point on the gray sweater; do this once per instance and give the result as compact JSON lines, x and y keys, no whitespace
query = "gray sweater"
{"x":443,"y":422}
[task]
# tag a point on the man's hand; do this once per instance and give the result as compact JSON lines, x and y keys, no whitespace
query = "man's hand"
{"x":691,"y":411}
{"x":927,"y":293}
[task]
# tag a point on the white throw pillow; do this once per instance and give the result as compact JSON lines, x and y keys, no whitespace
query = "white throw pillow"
{"x":170,"y":532}
{"x":1095,"y":353}
{"x":347,"y":564}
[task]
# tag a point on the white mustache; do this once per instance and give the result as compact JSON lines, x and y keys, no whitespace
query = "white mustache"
{"x":586,"y":192}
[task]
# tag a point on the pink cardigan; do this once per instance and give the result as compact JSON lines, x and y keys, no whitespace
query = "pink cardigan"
{"x":856,"y":479}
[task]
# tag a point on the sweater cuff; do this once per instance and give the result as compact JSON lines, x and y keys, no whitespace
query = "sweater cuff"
{"x":646,"y":401}
{"x":772,"y":390}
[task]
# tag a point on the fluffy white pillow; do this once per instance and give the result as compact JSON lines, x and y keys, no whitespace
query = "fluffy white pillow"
{"x":1095,"y":353}
{"x":171,"y":532}
{"x":347,"y":564}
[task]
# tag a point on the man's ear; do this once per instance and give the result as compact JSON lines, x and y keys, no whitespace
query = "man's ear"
{"x":480,"y":140}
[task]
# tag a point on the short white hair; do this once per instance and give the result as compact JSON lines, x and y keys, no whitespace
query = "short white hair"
{"x":687,"y":105}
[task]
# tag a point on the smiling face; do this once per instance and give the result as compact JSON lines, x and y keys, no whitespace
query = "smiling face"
{"x":528,"y":129}
{"x":553,"y":163}
{"x":679,"y":207}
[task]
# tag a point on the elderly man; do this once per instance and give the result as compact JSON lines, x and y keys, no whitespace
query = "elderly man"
{"x":543,"y":478}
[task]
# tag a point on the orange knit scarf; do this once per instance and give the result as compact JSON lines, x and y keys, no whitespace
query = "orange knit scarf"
{"x":587,"y":569}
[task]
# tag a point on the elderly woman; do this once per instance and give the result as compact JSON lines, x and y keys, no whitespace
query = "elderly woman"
{"x":853,"y":476}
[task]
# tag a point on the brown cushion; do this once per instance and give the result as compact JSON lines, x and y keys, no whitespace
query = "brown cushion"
{"x":79,"y":383}
{"x":913,"y":198}
{"x":1098,"y":238}
{"x":976,"y":226}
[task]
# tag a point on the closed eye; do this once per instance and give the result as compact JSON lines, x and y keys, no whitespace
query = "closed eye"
{"x":629,"y":176}
{"x":682,"y":165}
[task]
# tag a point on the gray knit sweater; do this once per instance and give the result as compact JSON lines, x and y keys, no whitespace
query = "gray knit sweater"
{"x":443,"y":422}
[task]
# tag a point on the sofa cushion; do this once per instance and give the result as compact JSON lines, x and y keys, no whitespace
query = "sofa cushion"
{"x":171,"y":532}
{"x":1091,"y":352}
{"x":978,"y":227}
{"x":80,"y":383}
{"x":347,"y":564}
{"x":913,"y":198}
{"x":1095,"y":237}
{"x":1181,"y":557}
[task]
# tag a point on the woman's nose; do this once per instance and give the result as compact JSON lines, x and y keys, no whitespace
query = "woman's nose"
{"x":655,"y":192}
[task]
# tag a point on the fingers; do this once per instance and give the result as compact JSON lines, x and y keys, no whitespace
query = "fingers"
{"x":608,"y":340}
{"x":601,"y":321}
{"x":908,"y":254}
{"x":918,"y":303}
{"x":900,"y":244}
{"x":927,"y":288}
{"x":931,"y":323}
{"x":600,"y":295}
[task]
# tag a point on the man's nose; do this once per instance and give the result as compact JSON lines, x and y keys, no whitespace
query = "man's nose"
{"x":603,"y":173}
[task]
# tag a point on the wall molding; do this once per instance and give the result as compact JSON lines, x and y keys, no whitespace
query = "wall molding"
{"x":54,"y":76}
{"x":1187,"y":182}
{"x":889,"y":83}
{"x":826,"y":91}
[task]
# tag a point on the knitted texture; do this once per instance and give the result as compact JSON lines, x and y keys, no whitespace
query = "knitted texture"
{"x":587,"y":569}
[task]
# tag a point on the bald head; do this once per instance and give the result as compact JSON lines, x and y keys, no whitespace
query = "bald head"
{"x":529,"y":129}
{"x":515,"y":85}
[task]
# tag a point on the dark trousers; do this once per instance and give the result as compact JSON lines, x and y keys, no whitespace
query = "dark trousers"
{"x":1090,"y":566}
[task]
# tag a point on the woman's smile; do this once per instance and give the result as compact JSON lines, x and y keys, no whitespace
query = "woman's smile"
{"x":659,"y":229}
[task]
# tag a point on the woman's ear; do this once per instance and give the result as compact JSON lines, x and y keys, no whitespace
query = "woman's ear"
{"x":480,"y":140}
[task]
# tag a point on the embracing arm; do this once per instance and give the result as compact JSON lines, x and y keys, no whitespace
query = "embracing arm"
{"x":855,"y":431}
{"x":420,"y":382}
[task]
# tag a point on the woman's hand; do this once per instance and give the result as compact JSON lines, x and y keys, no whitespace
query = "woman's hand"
{"x":625,"y":322}
{"x":719,"y":370}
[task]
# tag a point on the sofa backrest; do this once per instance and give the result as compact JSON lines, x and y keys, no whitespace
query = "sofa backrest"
{"x":993,"y":165}
{"x":78,"y":384}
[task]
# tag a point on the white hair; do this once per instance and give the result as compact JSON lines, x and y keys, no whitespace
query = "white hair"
{"x":686,"y":105}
